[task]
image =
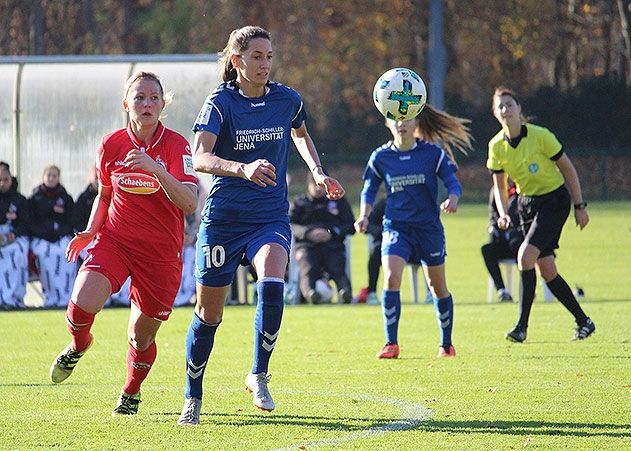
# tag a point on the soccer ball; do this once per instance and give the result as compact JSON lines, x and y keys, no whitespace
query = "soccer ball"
{"x":400,"y":94}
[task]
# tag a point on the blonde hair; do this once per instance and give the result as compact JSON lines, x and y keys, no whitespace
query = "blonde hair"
{"x":144,"y":75}
{"x":441,"y":128}
{"x":238,"y":42}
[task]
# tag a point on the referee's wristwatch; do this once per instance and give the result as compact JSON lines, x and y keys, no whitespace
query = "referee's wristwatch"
{"x":580,"y":206}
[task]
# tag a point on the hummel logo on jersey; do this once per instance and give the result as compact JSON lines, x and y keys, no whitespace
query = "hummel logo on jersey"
{"x":254,"y":105}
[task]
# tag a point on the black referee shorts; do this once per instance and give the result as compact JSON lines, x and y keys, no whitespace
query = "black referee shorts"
{"x":543,"y":217}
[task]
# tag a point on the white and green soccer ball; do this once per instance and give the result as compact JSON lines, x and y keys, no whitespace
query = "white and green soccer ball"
{"x":400,"y":94}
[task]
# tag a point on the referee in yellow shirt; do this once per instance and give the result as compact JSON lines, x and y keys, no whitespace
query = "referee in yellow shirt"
{"x":534,"y":159}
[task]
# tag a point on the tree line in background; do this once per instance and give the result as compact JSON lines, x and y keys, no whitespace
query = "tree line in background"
{"x":570,"y":59}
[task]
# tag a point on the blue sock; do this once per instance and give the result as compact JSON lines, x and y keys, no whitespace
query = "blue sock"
{"x":199,"y":343}
{"x":445,"y":315}
{"x":269,"y":313}
{"x":391,"y":307}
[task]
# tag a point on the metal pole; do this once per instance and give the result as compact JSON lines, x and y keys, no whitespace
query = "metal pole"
{"x":437,"y":55}
{"x":16,"y":120}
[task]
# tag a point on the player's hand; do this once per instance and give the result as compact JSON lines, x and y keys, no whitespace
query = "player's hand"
{"x":361,"y":225}
{"x":76,"y":245}
{"x":135,"y":159}
{"x":581,"y":217}
{"x":334,"y":189}
{"x":261,"y":172}
{"x":503,"y":222}
{"x":450,"y":205}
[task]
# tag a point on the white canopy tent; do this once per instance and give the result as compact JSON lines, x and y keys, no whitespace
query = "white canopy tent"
{"x":55,"y":109}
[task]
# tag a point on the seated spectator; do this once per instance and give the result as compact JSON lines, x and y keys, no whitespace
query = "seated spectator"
{"x":13,"y":242}
{"x":51,"y":228}
{"x":83,"y":206}
{"x":503,"y":244}
{"x":319,"y":226}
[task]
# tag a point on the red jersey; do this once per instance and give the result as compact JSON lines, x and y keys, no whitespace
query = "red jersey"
{"x":141,"y":218}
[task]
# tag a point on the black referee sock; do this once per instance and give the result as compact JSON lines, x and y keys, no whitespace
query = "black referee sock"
{"x":559,"y":288}
{"x":528,"y":281}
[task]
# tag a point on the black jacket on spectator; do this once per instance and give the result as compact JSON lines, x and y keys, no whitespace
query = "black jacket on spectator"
{"x":14,"y":202}
{"x":83,"y":208}
{"x":306,"y":213}
{"x":45,"y":222}
{"x":375,"y":219}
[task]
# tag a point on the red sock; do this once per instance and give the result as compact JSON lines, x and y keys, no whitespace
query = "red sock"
{"x":138,"y":365}
{"x":79,"y":323}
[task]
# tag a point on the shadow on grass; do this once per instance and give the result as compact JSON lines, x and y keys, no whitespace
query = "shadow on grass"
{"x":530,"y":428}
{"x":349,"y":424}
{"x":343,"y":424}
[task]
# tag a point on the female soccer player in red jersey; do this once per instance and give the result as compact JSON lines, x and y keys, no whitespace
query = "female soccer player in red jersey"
{"x":146,"y":185}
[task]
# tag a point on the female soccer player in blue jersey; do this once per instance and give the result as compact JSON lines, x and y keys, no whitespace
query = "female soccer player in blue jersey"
{"x":410,"y":166}
{"x":534,"y":159}
{"x":242,"y":138}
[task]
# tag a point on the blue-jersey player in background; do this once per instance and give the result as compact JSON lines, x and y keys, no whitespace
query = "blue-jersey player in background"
{"x":411,"y":166}
{"x":242,"y":138}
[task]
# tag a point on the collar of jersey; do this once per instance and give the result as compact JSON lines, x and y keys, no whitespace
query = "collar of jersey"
{"x":396,"y":149}
{"x":154,"y":140}
{"x":234,"y":86}
{"x":264,"y":94}
{"x":514,"y":142}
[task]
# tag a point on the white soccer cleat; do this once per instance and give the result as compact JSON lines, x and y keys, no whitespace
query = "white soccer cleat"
{"x":261,"y":397}
{"x":190,"y":412}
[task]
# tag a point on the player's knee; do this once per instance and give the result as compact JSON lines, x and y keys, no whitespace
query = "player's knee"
{"x":141,"y":341}
{"x":209,"y":315}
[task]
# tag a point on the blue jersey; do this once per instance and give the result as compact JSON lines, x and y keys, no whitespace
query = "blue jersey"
{"x":411,"y":179}
{"x":249,"y":129}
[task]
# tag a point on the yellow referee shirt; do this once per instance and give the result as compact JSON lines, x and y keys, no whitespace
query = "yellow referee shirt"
{"x":529,"y":164}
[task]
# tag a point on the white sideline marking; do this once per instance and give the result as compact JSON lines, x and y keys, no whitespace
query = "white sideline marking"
{"x":413,"y":416}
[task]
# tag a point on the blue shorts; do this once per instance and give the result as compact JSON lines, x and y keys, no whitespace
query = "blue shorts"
{"x":222,"y":246}
{"x":414,"y":244}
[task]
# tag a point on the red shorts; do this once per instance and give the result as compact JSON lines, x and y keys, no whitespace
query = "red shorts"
{"x":154,"y":285}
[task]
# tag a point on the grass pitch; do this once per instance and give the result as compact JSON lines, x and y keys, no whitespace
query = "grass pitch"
{"x":331,"y":391}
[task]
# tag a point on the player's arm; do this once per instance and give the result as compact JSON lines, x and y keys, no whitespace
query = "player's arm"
{"x":454,"y":188}
{"x":261,"y":171}
{"x":98,"y":214}
{"x":308,"y":152}
{"x":574,"y":186}
{"x":183,"y":196}
{"x":368,"y":196}
{"x":500,"y":192}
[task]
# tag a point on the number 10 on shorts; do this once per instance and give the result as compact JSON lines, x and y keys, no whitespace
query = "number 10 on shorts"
{"x":214,"y":257}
